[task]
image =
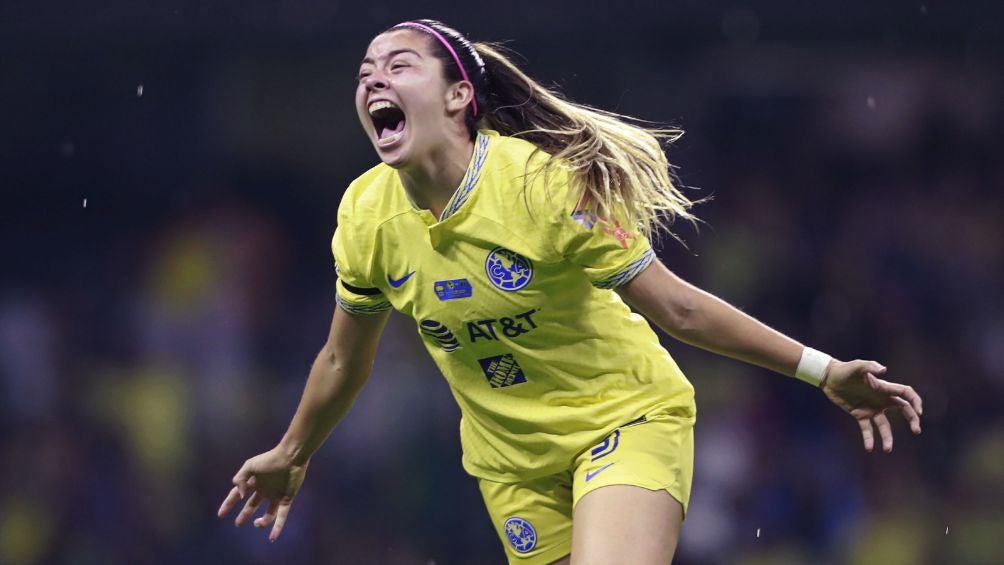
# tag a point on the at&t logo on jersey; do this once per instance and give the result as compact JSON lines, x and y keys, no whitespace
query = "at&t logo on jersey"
{"x":510,"y":327}
{"x":521,"y":534}
{"x":508,"y":270}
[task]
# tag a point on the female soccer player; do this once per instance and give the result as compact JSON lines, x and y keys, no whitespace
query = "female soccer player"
{"x":514,"y":227}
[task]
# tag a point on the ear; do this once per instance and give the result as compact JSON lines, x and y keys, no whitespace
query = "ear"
{"x":459,"y":96}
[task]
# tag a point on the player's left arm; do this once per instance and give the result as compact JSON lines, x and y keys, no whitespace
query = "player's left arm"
{"x":700,"y":319}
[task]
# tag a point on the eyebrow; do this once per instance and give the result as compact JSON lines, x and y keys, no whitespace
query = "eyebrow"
{"x":393,"y":53}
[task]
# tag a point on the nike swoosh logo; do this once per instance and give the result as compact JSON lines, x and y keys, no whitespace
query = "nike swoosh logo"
{"x":589,"y":476}
{"x":396,"y":283}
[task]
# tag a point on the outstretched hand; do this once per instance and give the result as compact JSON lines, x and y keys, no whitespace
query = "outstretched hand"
{"x":269,"y":477}
{"x":855,"y":387}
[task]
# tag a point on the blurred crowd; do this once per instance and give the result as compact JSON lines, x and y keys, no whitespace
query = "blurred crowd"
{"x":158,"y":320}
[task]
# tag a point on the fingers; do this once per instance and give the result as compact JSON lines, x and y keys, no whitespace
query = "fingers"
{"x":866,"y":369}
{"x":277,"y":512}
{"x":229,"y":502}
{"x":904,"y":398}
{"x":885,"y":430}
{"x":909,"y":413}
{"x":240,"y":480}
{"x":873,"y":382}
{"x":249,"y":509}
{"x":280,"y":518}
{"x":867,"y":433}
{"x":873,"y":367}
{"x":889,"y":395}
{"x":269,"y":516}
{"x":907,"y":393}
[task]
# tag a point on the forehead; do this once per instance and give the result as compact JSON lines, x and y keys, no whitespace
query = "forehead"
{"x":387,"y":43}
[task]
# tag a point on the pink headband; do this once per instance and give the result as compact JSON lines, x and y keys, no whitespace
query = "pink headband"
{"x":456,"y":58}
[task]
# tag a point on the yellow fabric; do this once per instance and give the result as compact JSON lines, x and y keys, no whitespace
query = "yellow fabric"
{"x":511,"y":294}
{"x":534,"y":518}
{"x":657,"y":454}
{"x":545,"y":503}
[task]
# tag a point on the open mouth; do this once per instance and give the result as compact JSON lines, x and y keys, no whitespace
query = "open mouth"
{"x":388,"y":121}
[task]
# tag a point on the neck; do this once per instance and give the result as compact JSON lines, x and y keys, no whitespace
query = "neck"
{"x":432,"y":180}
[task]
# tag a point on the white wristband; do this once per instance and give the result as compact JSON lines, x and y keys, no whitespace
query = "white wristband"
{"x":812,"y":366}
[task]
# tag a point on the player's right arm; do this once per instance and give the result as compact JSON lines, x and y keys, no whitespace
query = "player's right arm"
{"x":338,"y":374}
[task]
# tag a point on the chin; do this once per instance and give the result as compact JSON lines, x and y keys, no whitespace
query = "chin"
{"x":395,"y":164}
{"x":393,"y":159}
{"x":397,"y":157}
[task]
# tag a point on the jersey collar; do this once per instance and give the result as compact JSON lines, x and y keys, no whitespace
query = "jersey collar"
{"x":471,"y":177}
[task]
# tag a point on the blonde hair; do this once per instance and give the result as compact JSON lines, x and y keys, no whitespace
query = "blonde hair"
{"x":620,"y":165}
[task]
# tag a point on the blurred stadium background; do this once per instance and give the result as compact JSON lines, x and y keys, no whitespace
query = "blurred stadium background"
{"x":170,"y":173}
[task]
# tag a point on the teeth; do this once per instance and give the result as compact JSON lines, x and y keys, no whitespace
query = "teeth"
{"x":381,"y":105}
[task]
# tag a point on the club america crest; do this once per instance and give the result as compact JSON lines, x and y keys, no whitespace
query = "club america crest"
{"x":521,"y":534}
{"x":508,"y":270}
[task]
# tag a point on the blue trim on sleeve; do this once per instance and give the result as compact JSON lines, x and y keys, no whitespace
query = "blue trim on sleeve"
{"x":357,"y":309}
{"x":622,"y":277}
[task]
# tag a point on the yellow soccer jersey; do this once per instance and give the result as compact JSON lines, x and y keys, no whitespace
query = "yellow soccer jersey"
{"x":511,"y":292}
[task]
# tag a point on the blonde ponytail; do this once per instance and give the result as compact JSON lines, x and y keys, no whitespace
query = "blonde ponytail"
{"x":618,"y":163}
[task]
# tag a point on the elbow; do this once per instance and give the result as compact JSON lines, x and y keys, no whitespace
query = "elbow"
{"x":685,"y":315}
{"x":676,"y":310}
{"x":343,"y":366}
{"x":327,"y":356}
{"x":332,"y":363}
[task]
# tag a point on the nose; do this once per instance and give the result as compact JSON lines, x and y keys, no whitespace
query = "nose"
{"x":375,"y":81}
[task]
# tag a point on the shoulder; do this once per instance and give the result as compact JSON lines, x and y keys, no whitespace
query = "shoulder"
{"x":543,"y":185}
{"x":372,"y":198}
{"x":513,"y":154}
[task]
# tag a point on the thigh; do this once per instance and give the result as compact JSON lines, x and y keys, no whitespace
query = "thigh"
{"x":631,"y":492}
{"x":626,"y":524}
{"x":533,"y":518}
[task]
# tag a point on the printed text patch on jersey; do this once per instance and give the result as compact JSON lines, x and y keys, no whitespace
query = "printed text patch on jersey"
{"x":508,"y":270}
{"x":454,"y":289}
{"x":510,"y":327}
{"x":440,"y":334}
{"x":502,"y":370}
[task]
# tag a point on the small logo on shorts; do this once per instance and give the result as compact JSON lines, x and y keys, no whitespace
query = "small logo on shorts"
{"x":608,"y":446}
{"x":521,"y":534}
{"x":591,"y":474}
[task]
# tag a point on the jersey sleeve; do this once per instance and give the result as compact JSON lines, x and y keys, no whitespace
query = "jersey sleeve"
{"x":609,"y":249}
{"x":355,"y":289}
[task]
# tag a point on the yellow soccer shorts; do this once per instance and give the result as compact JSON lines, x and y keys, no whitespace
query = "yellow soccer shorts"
{"x":534,"y":518}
